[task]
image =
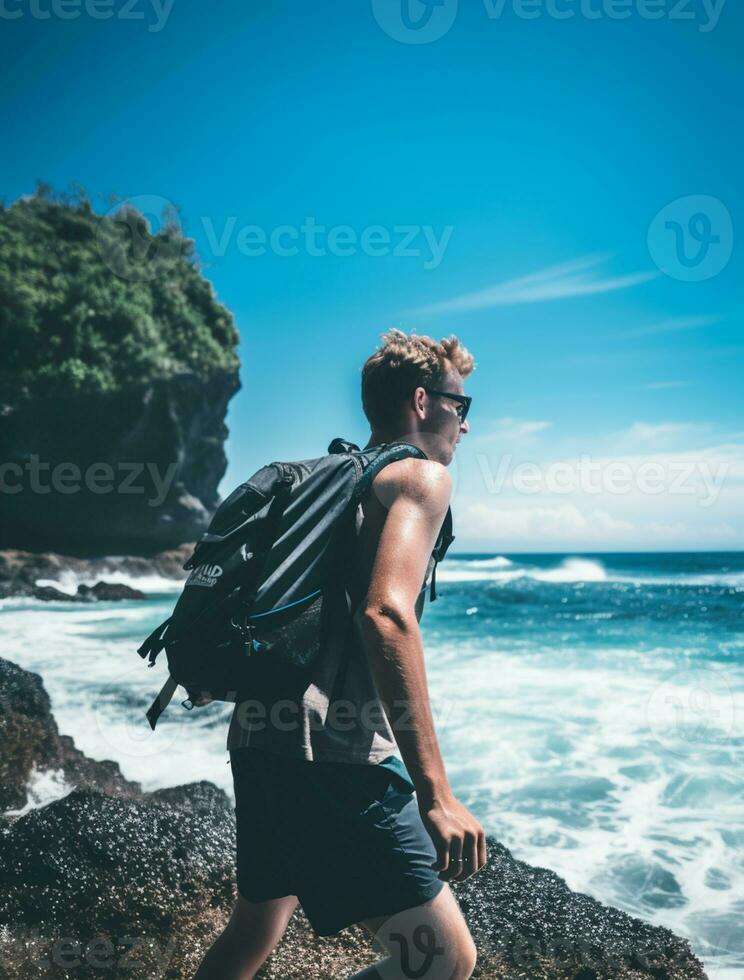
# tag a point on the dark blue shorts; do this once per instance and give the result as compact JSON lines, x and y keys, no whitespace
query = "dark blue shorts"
{"x":346,"y":839}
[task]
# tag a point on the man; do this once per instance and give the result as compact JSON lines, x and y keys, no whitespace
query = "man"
{"x":328,"y":814}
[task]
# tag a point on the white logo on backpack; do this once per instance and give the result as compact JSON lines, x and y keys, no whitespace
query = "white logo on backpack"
{"x":206,"y":575}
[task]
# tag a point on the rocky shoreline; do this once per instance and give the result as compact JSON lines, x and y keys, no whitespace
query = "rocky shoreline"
{"x":138,"y":884}
{"x":21,"y":573}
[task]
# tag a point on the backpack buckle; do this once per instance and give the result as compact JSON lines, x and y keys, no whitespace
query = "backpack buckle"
{"x":243,"y":627}
{"x":246,"y":630}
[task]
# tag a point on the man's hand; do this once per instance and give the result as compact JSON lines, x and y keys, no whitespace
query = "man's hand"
{"x":459,"y":839}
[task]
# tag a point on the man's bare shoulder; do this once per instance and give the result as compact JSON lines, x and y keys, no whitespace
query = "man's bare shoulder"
{"x":424,"y":482}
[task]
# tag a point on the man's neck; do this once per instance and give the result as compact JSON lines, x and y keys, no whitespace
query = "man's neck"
{"x":378,"y":439}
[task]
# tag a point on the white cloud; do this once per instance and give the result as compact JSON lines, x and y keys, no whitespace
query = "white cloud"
{"x":667,"y":530}
{"x":639,"y":500}
{"x":672,"y":326}
{"x":577,"y":278}
{"x":493,"y":527}
{"x":509,"y":429}
{"x":561,"y":524}
{"x":650,"y":431}
{"x":673,"y":533}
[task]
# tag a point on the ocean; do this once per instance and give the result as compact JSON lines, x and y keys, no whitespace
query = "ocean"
{"x":590,"y":709}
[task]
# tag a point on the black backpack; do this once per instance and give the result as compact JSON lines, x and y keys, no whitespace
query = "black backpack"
{"x":267,"y":583}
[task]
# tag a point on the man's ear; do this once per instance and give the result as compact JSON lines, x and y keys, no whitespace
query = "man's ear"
{"x":420,"y":399}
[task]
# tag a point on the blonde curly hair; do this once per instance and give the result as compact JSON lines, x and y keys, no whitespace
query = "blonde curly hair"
{"x":404,"y":362}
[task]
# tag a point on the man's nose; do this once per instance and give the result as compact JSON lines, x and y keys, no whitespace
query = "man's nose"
{"x":465,"y":427}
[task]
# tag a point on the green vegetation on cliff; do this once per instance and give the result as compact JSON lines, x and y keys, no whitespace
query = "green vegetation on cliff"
{"x":92,"y":304}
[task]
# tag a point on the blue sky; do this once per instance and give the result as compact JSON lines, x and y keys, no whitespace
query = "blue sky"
{"x":506,"y":181}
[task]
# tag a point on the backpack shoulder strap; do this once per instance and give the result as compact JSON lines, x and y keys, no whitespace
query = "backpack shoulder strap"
{"x":161,"y":702}
{"x":445,"y":539}
{"x":154,"y":642}
{"x":389,"y":453}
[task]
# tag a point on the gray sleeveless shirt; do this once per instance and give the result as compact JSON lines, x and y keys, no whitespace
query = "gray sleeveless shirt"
{"x":340,"y":717}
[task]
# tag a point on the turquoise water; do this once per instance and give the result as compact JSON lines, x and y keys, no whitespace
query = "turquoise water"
{"x":589,"y":709}
{"x":592,"y":710}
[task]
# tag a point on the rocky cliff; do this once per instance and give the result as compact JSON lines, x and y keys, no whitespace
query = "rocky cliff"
{"x":118,"y":366}
{"x":142,"y":465}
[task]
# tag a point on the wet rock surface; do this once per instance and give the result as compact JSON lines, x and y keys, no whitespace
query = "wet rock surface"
{"x":140,"y":879}
{"x":30,"y":739}
{"x":20,"y":572}
{"x":100,"y":592}
{"x":113,"y":881}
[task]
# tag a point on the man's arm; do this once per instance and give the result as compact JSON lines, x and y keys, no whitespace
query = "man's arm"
{"x":416,"y":494}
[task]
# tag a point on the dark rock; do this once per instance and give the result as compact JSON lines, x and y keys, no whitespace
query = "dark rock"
{"x":29,"y":737}
{"x":20,"y":570}
{"x":137,"y":879}
{"x":90,"y":868}
{"x":133,"y":471}
{"x":47,"y":593}
{"x":528,"y":917}
{"x":201,"y":797}
{"x":103,"y":591}
{"x":108,"y":591}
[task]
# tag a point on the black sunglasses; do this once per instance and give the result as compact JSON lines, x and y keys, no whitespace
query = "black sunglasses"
{"x":463,"y":401}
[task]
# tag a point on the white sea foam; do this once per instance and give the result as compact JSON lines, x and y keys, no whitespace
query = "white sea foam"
{"x":569,"y":570}
{"x":99,"y":694}
{"x":68,"y":581}
{"x":44,"y":786}
{"x":573,"y":570}
{"x":498,"y":562}
{"x":561,"y":756}
{"x":733,"y":580}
